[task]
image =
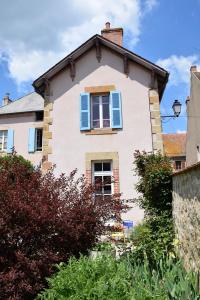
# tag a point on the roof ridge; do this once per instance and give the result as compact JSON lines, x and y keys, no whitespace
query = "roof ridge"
{"x":13,"y":101}
{"x":87,"y":45}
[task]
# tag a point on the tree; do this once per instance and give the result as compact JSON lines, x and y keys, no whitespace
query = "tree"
{"x":154,"y":237}
{"x":155,"y":182}
{"x":44,"y":220}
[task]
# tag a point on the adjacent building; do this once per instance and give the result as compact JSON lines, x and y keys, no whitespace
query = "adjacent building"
{"x":193,"y":121}
{"x":21,"y":126}
{"x":93,"y":109}
{"x":174,"y":145}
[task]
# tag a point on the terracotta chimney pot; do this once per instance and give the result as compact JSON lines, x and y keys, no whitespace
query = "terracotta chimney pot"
{"x":193,"y":69}
{"x":107,"y":25}
{"x":6,"y":99}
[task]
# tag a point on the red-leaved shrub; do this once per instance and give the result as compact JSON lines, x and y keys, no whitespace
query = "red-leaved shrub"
{"x":44,"y":220}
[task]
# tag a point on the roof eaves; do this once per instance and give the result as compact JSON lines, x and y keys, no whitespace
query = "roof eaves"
{"x":36,"y":81}
{"x":89,"y":43}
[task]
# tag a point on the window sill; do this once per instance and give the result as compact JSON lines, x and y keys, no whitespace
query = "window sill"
{"x":101,"y":131}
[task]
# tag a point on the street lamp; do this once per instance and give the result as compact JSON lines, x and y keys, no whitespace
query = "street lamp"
{"x":176,"y":109}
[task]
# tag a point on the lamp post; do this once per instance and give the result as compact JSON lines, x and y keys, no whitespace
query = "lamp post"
{"x":176,"y":109}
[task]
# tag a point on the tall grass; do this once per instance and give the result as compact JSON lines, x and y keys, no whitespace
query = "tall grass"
{"x":107,"y":279}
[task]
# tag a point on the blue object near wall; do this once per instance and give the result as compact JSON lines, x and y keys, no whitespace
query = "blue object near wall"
{"x":31,"y":140}
{"x":116,"y":109}
{"x":84,"y":111}
{"x":10,"y":140}
{"x":128,"y":223}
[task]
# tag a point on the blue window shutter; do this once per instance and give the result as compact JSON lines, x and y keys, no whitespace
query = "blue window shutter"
{"x":10,"y":140}
{"x":116,"y":109}
{"x":84,"y":111}
{"x":31,"y":140}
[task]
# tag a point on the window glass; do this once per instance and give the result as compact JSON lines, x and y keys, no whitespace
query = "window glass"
{"x":38,"y":139}
{"x":3,"y":140}
{"x":106,"y":166}
{"x":107,"y":189}
{"x":107,"y":180}
{"x":100,"y":111}
{"x":106,"y":111}
{"x":98,"y":167}
{"x":102,"y":178}
{"x":178,"y":165}
{"x":95,"y":112}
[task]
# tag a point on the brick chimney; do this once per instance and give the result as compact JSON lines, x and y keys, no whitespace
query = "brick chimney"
{"x":6,"y":99}
{"x":115,"y":35}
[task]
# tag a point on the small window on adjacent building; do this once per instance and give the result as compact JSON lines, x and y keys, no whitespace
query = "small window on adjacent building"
{"x":100,"y":111}
{"x":178,"y":165}
{"x":3,"y":140}
{"x":102,"y":177}
{"x":39,"y":115}
{"x":38,"y":139}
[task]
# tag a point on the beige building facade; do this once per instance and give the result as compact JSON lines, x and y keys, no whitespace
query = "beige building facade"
{"x":101,"y":103}
{"x":193,"y":122}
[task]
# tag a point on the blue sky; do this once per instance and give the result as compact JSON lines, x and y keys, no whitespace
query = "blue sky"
{"x":165,"y":32}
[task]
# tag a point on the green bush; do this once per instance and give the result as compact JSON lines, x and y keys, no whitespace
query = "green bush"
{"x":154,"y":238}
{"x":108,"y":279}
{"x":12,"y":159}
{"x":155,"y":182}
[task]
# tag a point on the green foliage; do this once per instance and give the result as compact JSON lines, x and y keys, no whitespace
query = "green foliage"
{"x":155,"y":182}
{"x":103,"y":246}
{"x":12,"y":159}
{"x":154,"y":238}
{"x":106,"y":278}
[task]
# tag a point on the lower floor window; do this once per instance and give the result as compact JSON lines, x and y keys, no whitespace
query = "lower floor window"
{"x":38,"y":139}
{"x":3,"y":140}
{"x":102,"y":177}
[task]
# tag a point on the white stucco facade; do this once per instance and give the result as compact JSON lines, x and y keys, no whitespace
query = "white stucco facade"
{"x":65,"y":144}
{"x":69,"y":144}
{"x":20,"y":124}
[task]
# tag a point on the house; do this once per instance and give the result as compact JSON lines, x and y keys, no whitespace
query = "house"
{"x":193,"y":118}
{"x":101,"y":102}
{"x":21,"y":126}
{"x":174,"y":145}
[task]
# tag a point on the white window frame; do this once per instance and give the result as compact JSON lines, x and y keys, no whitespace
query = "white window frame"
{"x":103,"y":173}
{"x":100,"y":111}
{"x":3,"y":149}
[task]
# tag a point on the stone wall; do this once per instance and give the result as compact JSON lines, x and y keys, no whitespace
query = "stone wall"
{"x":156,"y":126}
{"x":186,"y":212}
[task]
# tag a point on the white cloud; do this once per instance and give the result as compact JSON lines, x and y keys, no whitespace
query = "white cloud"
{"x":36,"y":34}
{"x":150,"y":4}
{"x":179,"y":67}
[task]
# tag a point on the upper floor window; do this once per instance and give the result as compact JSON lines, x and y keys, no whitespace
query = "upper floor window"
{"x":100,"y":111}
{"x":39,"y":115}
{"x":35,"y":139}
{"x":38,"y":139}
{"x":3,"y":140}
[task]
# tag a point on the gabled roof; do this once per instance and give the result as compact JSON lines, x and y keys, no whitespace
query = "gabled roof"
{"x":174,"y":144}
{"x":28,"y":103}
{"x":161,"y":74}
